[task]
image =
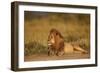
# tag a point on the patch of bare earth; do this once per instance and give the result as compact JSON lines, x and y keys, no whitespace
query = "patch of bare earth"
{"x":45,"y":57}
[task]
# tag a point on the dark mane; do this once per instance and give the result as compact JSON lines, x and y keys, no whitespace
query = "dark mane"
{"x":55,"y":42}
{"x":56,"y":31}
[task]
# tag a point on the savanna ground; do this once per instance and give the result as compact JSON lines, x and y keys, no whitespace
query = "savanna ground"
{"x":75,"y":28}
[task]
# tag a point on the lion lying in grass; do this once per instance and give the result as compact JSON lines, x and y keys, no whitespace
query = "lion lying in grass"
{"x":57,"y":46}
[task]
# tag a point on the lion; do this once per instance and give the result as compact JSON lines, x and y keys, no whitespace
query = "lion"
{"x":55,"y":42}
{"x":57,"y":45}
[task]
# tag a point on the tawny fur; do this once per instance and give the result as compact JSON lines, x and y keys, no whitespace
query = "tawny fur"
{"x":69,"y":48}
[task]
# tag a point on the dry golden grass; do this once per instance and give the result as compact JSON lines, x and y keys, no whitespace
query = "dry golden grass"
{"x":74,"y":28}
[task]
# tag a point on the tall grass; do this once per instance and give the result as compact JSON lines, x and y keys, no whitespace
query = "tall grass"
{"x":74,"y":28}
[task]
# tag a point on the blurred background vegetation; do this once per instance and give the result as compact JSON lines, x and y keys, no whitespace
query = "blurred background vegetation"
{"x":37,"y":25}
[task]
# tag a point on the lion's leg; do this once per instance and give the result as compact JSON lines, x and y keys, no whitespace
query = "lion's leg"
{"x":60,"y":52}
{"x":80,"y":49}
{"x":50,"y":51}
{"x":56,"y":52}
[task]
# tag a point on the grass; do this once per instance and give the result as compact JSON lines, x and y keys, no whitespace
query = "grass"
{"x":74,"y":28}
{"x":34,"y":48}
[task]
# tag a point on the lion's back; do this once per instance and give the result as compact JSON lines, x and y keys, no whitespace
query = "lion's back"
{"x":68,"y":48}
